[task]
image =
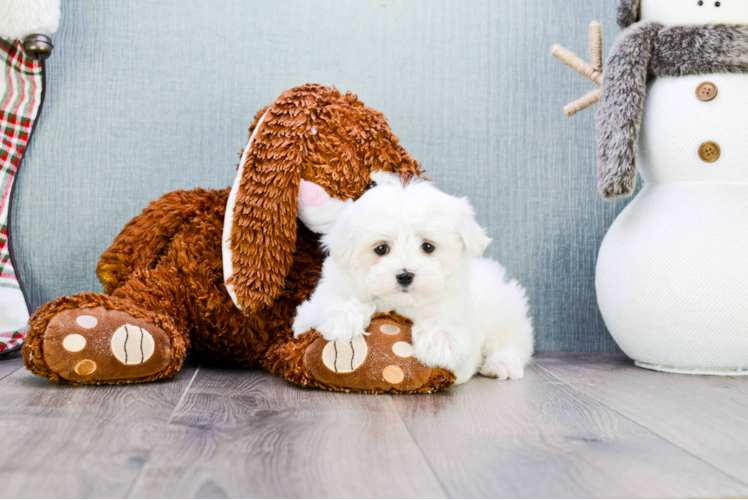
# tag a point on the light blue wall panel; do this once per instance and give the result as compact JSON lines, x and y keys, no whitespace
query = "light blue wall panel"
{"x":149,"y":96}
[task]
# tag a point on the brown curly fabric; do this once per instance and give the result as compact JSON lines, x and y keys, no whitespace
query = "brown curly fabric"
{"x":310,"y":132}
{"x":166,"y":265}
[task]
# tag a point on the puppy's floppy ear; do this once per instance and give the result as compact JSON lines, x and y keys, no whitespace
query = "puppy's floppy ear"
{"x":340,"y":241}
{"x":473,"y":236}
{"x":260,"y":225}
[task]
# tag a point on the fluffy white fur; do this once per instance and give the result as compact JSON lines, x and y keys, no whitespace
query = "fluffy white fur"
{"x":20,"y":18}
{"x":467,"y":316}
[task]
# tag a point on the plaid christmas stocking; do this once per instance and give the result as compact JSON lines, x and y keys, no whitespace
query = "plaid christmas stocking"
{"x":21,"y":84}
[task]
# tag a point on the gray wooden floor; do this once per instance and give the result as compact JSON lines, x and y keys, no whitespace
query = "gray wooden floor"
{"x":578,"y":425}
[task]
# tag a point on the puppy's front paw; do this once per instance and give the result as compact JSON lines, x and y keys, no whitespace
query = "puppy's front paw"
{"x":299,"y":327}
{"x":441,"y":346}
{"x":344,"y":323}
{"x":504,"y":365}
{"x":306,"y":318}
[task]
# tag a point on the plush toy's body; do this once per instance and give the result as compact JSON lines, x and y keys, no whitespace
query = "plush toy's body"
{"x":672,"y":272}
{"x":165,"y":273}
{"x":165,"y":268}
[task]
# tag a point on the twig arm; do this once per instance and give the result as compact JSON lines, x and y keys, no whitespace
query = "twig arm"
{"x":583,"y":102}
{"x":570,"y":59}
{"x":596,"y":46}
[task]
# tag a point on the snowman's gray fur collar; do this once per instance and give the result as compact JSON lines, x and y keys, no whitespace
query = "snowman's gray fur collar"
{"x":628,"y":12}
{"x":643,"y":51}
{"x":699,"y":50}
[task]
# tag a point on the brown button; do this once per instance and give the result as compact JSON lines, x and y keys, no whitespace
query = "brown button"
{"x":709,"y":152}
{"x":706,"y":91}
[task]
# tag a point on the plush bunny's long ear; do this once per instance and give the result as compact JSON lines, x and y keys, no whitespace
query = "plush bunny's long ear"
{"x":259,"y":235}
{"x":619,"y":116}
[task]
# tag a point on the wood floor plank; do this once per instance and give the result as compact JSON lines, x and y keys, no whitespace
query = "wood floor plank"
{"x":91,"y":441}
{"x":539,"y":437}
{"x":707,"y":416}
{"x":239,"y":433}
{"x":10,"y":364}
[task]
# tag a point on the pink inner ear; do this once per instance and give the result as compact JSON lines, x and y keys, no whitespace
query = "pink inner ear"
{"x":312,"y":195}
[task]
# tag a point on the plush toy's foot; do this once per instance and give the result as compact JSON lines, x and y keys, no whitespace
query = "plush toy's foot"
{"x":379,"y":362}
{"x":95,"y":339}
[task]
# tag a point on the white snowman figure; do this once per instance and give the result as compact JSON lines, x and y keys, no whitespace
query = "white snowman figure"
{"x":672,"y":272}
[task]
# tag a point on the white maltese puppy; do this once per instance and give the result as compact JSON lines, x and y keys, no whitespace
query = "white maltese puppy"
{"x":416,"y":250}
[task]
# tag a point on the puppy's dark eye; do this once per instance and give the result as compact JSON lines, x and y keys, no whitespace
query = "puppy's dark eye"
{"x":428,"y":247}
{"x":382,"y":250}
{"x":371,"y":185}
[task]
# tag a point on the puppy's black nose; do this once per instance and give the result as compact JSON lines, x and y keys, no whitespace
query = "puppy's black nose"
{"x":405,"y":278}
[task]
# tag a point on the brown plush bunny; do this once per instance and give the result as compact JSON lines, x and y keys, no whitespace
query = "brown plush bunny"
{"x":172,"y":288}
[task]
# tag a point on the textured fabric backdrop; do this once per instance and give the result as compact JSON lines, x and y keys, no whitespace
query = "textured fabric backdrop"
{"x":148,"y":96}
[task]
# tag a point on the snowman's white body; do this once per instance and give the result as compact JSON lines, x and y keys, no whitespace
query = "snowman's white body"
{"x":672,"y":272}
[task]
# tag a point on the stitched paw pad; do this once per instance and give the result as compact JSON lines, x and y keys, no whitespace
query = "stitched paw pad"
{"x":96,"y":344}
{"x":381,"y":361}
